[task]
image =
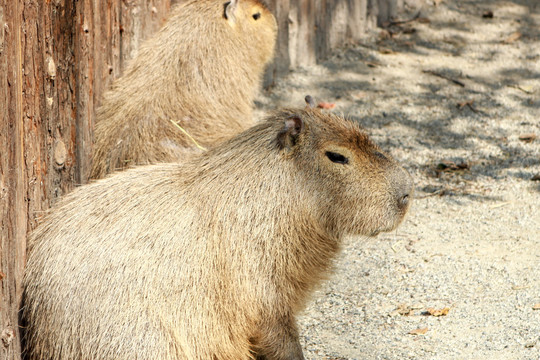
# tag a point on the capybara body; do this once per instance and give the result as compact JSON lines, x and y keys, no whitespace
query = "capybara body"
{"x":212,"y":258}
{"x":201,"y":71}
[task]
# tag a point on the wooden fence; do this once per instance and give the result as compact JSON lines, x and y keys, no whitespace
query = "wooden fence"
{"x":56,"y":59}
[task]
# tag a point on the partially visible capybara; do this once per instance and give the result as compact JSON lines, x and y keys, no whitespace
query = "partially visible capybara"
{"x":212,"y":258}
{"x":201,"y":71}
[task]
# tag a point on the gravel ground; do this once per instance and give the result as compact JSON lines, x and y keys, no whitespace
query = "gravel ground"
{"x":448,"y":95}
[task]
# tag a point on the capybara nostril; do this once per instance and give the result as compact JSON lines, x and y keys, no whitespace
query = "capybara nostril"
{"x":404,"y":201}
{"x":403,"y":188}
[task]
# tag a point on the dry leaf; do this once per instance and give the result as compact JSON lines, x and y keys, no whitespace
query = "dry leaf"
{"x":488,"y":14}
{"x":402,"y":309}
{"x":357,"y":95}
{"x":441,"y":312}
{"x":2,"y":275}
{"x":536,"y":306}
{"x":420,"y":331}
{"x":372,"y":64}
{"x":447,"y":165}
{"x":527,"y":137}
{"x":386,"y":51}
{"x":423,"y":20}
{"x":408,"y":30}
{"x":325,"y":105}
{"x":461,"y":105}
{"x":513,"y":37}
{"x":384,"y":35}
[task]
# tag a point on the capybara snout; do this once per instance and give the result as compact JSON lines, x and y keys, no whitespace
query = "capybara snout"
{"x":403,"y":187}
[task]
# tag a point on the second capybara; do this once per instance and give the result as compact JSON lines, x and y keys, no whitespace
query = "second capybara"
{"x":212,"y":258}
{"x":201,"y":71}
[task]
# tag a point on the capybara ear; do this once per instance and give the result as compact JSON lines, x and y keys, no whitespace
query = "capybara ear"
{"x":288,"y":137}
{"x":310,"y":101}
{"x":230,"y":10}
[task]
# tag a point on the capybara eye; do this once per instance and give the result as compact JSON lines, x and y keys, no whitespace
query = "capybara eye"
{"x":380,"y":155}
{"x":256,"y":16}
{"x":337,"y":158}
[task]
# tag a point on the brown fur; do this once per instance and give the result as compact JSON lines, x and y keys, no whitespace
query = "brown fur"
{"x":213,"y":258}
{"x":201,"y":70}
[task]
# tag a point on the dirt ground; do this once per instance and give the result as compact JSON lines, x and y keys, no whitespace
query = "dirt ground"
{"x":453,"y":95}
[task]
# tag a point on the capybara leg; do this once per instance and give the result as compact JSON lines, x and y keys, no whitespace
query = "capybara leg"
{"x":280,"y":342}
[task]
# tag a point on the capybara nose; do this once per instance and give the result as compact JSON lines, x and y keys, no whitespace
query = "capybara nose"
{"x":404,"y":189}
{"x":404,"y":201}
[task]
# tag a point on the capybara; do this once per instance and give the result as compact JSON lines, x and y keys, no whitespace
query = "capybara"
{"x":201,"y":71}
{"x":211,"y":258}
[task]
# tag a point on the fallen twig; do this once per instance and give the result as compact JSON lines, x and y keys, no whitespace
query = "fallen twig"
{"x":513,"y":37}
{"x":435,"y":73}
{"x":526,"y":90}
{"x":495,"y":206}
{"x":400,"y":22}
{"x":439,"y":192}
{"x":396,"y":245}
{"x":469,"y":104}
{"x":529,"y":137}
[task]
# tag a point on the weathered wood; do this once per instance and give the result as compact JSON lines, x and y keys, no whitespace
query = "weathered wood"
{"x":280,"y":66}
{"x":56,"y":59}
{"x":384,"y":10}
{"x":14,"y":221}
{"x":106,"y":37}
{"x":310,"y":30}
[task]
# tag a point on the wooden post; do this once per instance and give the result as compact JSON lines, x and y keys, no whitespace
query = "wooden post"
{"x":310,"y":30}
{"x":56,"y":59}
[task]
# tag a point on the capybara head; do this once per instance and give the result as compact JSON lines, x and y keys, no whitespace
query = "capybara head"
{"x":253,"y":21}
{"x":212,"y":258}
{"x":360,"y":189}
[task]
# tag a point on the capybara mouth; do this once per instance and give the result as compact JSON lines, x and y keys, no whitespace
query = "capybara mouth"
{"x":375,"y":233}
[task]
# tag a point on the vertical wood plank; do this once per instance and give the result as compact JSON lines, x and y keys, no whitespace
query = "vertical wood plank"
{"x":139,"y":20}
{"x":280,"y":66}
{"x":59,"y":130}
{"x":84,"y":39}
{"x":309,"y":30}
{"x":12,"y":188}
{"x":302,"y":32}
{"x":52,"y":75}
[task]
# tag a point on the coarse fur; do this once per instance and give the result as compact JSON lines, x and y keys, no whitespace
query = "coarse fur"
{"x":202,"y":71}
{"x":212,"y":258}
